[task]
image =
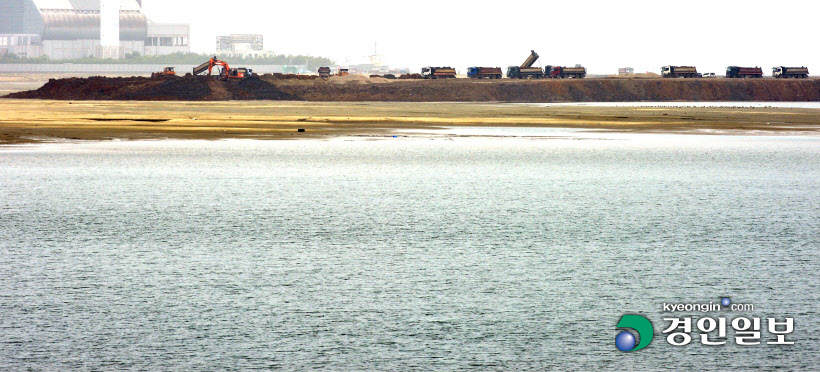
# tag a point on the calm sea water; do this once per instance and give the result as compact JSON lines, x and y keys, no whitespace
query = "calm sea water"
{"x":502,"y":253}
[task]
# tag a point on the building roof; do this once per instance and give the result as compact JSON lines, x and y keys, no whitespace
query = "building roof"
{"x":82,"y":5}
{"x":80,"y":19}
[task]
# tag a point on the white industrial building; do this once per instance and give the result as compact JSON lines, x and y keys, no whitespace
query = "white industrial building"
{"x":70,"y":29}
{"x":242,"y":46}
{"x":167,"y":38}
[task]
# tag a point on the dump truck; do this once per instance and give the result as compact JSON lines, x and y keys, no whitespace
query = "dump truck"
{"x":563,"y":72}
{"x":324,"y":72}
{"x":168,"y":71}
{"x":679,"y":72}
{"x":438,"y":72}
{"x":744,"y":72}
{"x":526,"y":71}
{"x":226,"y":73}
{"x":783,"y":72}
{"x":484,"y":72}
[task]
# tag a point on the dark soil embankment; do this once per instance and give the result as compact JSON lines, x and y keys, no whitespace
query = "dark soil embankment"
{"x":359,"y":88}
{"x":187,"y":88}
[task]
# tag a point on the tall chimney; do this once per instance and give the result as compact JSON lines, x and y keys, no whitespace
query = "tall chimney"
{"x":110,"y":28}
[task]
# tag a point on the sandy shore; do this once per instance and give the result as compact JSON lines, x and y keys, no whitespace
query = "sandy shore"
{"x":25,"y":121}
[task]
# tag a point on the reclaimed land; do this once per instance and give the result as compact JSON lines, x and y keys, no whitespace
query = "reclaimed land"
{"x":357,"y":88}
{"x":27,"y":121}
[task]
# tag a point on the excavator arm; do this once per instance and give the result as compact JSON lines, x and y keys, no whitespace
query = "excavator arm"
{"x":226,"y":73}
{"x":210,"y":66}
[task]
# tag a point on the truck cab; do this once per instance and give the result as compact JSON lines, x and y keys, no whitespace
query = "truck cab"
{"x":426,"y":72}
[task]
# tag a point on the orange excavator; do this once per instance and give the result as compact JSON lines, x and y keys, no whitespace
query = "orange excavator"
{"x":226,"y":73}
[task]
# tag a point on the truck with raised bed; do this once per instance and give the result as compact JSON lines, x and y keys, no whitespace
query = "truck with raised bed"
{"x":737,"y":72}
{"x":783,"y":72}
{"x":484,"y":72}
{"x":563,"y":72}
{"x":679,"y":72}
{"x":438,"y":72}
{"x":226,"y":73}
{"x":525,"y":70}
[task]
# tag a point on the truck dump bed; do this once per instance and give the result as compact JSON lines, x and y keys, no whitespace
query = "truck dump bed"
{"x":574,"y":70}
{"x":444,"y":71}
{"x":685,"y":69}
{"x":750,"y":71}
{"x":797,"y":70}
{"x":489,"y":70}
{"x":201,"y":68}
{"x":530,"y":60}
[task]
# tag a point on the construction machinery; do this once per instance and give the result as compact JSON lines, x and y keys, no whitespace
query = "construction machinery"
{"x":226,"y":73}
{"x":324,"y":72}
{"x":168,"y":71}
{"x":563,"y":72}
{"x":680,"y":72}
{"x":484,"y":72}
{"x":744,"y":72}
{"x":783,"y":72}
{"x":526,"y":71}
{"x":343,"y":72}
{"x":438,"y":73}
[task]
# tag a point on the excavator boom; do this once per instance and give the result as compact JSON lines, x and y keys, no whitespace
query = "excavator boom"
{"x":226,"y":73}
{"x":210,"y":66}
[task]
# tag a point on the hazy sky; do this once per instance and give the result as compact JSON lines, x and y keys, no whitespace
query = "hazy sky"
{"x":601,"y":35}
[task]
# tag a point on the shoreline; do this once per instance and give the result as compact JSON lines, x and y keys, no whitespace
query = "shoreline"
{"x":33,"y":121}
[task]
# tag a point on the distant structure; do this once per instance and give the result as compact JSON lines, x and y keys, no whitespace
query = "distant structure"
{"x":109,"y":29}
{"x":375,"y":58}
{"x":626,"y":71}
{"x":72,"y":29}
{"x":167,"y":38}
{"x":241,"y":45}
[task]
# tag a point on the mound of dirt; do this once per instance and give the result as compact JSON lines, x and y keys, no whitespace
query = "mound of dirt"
{"x":280,"y":76}
{"x":638,"y":75}
{"x":175,"y":88}
{"x":362,"y":88}
{"x":170,"y":89}
{"x":256,"y":88}
{"x":353,"y":79}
